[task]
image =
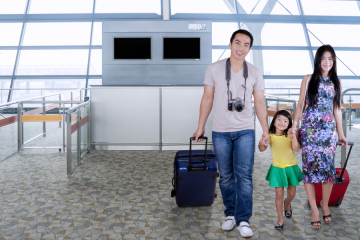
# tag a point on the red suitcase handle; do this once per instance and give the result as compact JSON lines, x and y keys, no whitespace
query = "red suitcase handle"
{"x":347,"y":158}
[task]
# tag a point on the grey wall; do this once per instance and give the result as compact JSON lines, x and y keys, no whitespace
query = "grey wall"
{"x":139,"y":118}
{"x":156,"y":71}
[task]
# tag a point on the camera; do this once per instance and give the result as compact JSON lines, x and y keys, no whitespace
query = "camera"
{"x":236,"y":104}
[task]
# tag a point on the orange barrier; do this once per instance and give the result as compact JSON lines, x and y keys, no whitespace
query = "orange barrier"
{"x":353,"y":105}
{"x":41,"y":118}
{"x":13,"y":119}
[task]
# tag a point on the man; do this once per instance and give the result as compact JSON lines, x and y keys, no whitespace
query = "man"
{"x":233,"y":132}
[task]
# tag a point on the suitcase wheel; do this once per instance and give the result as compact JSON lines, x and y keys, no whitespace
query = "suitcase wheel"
{"x":173,"y":193}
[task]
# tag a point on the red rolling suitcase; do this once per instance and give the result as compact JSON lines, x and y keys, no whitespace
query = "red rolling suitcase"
{"x":340,"y":185}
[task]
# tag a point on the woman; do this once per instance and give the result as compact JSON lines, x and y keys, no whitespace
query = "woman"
{"x":320,"y":119}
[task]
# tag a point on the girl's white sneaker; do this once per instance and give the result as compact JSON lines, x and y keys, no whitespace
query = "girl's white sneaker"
{"x":229,"y":223}
{"x":245,"y":229}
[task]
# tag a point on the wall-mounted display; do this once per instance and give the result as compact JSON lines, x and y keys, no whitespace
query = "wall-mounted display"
{"x":132,"y":48}
{"x":181,"y":48}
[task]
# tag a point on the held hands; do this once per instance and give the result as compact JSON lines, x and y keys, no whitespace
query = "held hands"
{"x":291,"y":133}
{"x":265,"y":140}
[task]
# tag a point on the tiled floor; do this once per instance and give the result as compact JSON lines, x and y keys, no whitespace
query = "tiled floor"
{"x":126,"y":195}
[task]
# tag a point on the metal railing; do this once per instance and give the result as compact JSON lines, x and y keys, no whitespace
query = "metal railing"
{"x":59,"y":104}
{"x":10,"y":114}
{"x":352,"y":106}
{"x":35,"y":110}
{"x":273,"y":109}
{"x":78,"y":125}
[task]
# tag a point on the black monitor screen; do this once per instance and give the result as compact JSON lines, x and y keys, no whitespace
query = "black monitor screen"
{"x":132,"y":48}
{"x":181,"y":48}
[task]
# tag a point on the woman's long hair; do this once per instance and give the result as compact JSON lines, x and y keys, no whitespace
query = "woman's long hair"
{"x":272,"y":128}
{"x":315,"y":78}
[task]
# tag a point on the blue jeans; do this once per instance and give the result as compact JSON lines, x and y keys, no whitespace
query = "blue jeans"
{"x":235,"y":156}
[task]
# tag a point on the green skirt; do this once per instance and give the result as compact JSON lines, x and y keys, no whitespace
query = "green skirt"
{"x":284,"y":177}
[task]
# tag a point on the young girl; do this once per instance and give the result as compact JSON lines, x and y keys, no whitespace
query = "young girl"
{"x":284,"y":171}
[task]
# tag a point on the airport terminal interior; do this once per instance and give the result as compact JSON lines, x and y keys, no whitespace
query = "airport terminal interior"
{"x":97,"y":96}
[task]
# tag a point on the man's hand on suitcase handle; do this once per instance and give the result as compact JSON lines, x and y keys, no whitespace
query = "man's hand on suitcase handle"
{"x":198,"y":134}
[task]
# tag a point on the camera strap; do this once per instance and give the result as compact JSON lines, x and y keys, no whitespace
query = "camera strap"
{"x":228,"y":77}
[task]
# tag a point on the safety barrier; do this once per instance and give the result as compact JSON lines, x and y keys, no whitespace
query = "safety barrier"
{"x":78,"y":135}
{"x":10,"y":113}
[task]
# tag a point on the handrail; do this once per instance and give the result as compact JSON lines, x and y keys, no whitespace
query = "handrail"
{"x":77,"y":106}
{"x":347,"y":90}
{"x":29,"y":99}
{"x":23,"y":89}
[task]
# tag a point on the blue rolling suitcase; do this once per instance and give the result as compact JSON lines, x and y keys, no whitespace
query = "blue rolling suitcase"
{"x":195,"y":175}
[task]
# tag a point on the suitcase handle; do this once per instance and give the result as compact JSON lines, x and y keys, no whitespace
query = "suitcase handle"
{"x":347,"y":158}
{"x":200,"y":168}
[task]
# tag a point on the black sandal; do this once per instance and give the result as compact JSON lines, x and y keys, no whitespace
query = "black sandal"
{"x":279,"y":226}
{"x":287,"y":214}
{"x":316,"y":226}
{"x":328,"y":216}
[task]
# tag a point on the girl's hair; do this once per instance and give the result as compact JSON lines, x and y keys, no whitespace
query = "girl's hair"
{"x":315,"y":78}
{"x":284,"y":113}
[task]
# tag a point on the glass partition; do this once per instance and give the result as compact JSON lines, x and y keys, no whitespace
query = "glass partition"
{"x":72,"y":143}
{"x":84,"y":129}
{"x":32,"y":130}
{"x":77,"y":135}
{"x":8,"y":130}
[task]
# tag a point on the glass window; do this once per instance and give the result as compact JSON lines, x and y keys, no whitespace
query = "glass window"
{"x":286,"y":62}
{"x":12,"y":6}
{"x":283,"y":34}
{"x":268,"y":7}
{"x":199,"y":6}
{"x":252,"y":6}
{"x":222,"y":31}
{"x":346,"y":60}
{"x":33,"y":85}
{"x":4,"y":84}
{"x":350,"y":83}
{"x":53,"y":62}
{"x":95,"y":67}
{"x":337,"y":35}
{"x":64,"y":33}
{"x":347,"y":84}
{"x":285,"y":7}
{"x":283,"y":87}
{"x":94,"y":82}
{"x":219,"y":54}
{"x":97,"y":34}
{"x":125,"y":6}
{"x":330,"y":8}
{"x":61,"y":6}
{"x":7,"y":61}
{"x":351,"y":60}
{"x":12,"y":32}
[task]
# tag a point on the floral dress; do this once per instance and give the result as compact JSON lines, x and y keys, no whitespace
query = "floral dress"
{"x":318,"y":136}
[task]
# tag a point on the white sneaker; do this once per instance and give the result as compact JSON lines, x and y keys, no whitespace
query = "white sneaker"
{"x":245,"y":229}
{"x":229,"y":223}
